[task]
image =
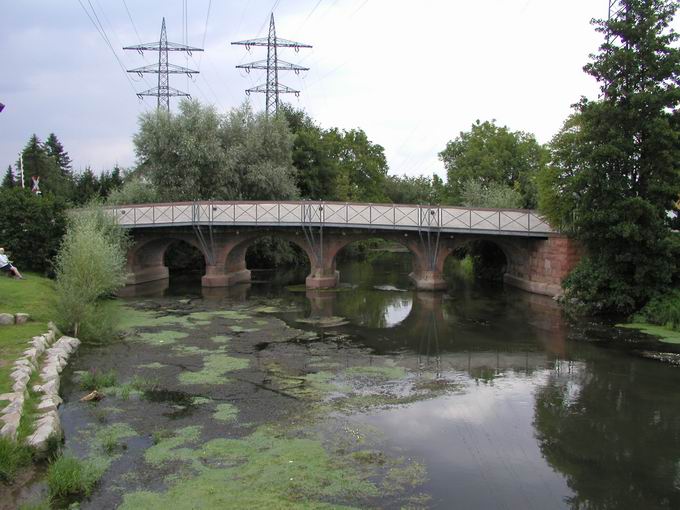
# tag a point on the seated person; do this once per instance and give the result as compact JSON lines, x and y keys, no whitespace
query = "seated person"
{"x":7,"y":267}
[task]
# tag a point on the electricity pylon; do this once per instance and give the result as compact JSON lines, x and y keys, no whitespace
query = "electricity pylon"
{"x":273,"y":65}
{"x":164,"y":69}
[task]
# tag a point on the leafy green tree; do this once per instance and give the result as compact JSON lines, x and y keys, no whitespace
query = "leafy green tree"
{"x":316,"y":170}
{"x":9,"y":181}
{"x":492,"y":154}
{"x":615,"y":166}
{"x":135,"y":190}
{"x":414,"y":190}
{"x":55,"y":150}
{"x":198,"y":154}
{"x":90,"y":266}
{"x":494,"y":194}
{"x":182,"y":154}
{"x":31,"y":227}
{"x":259,"y":154}
{"x":362,"y":166}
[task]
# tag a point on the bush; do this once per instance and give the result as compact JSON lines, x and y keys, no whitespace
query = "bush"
{"x":69,"y":477}
{"x":495,"y":195}
{"x":95,"y":380}
{"x":663,"y":310}
{"x":13,"y":456}
{"x":90,"y":266}
{"x":133,"y":191}
{"x":31,"y":228}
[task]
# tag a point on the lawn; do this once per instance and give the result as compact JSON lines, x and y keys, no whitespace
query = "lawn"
{"x":33,"y":295}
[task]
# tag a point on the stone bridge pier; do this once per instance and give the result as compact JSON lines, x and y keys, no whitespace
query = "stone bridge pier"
{"x":535,"y":264}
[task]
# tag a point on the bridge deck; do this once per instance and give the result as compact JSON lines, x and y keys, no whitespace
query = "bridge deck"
{"x":513,"y":222}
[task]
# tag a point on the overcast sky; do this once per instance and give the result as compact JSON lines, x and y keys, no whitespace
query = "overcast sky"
{"x":411,"y":74}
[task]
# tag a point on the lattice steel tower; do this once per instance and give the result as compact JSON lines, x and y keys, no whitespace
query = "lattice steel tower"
{"x":273,"y":65}
{"x":164,"y":69}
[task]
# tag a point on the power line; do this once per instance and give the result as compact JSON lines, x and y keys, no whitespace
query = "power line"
{"x":102,"y":33}
{"x":272,"y":88}
{"x":205,"y":32}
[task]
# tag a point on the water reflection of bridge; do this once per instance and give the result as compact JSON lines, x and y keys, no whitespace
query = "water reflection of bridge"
{"x":523,"y":333}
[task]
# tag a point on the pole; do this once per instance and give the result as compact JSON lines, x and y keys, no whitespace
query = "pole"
{"x":21,"y":167}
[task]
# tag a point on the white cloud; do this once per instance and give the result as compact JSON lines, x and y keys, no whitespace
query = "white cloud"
{"x":412,"y":75}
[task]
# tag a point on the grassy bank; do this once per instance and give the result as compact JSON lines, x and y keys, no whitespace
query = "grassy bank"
{"x":660,"y":317}
{"x":33,"y":295}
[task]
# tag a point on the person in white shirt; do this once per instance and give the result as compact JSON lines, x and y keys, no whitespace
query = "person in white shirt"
{"x":7,"y":267}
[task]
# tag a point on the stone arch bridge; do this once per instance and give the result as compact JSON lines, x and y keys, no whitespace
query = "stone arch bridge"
{"x":538,"y":257}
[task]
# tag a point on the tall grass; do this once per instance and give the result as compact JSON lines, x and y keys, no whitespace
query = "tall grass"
{"x":90,"y":266}
{"x":69,"y":477}
{"x":13,"y":456}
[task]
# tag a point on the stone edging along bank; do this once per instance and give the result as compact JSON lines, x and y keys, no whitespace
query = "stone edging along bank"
{"x":55,"y":358}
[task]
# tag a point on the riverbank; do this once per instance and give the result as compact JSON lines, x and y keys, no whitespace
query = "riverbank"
{"x":33,"y":295}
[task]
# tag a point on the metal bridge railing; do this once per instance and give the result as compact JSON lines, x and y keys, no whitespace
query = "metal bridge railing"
{"x":334,"y":214}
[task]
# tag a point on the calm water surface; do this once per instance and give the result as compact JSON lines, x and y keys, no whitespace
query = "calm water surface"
{"x":543,"y":413}
{"x":550,"y":414}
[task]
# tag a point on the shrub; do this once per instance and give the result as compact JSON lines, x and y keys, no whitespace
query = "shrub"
{"x":89,"y":266}
{"x":69,"y":477}
{"x":134,"y":191}
{"x":31,"y":228}
{"x":663,"y":310}
{"x":95,"y":380}
{"x":496,"y":195}
{"x":13,"y":456}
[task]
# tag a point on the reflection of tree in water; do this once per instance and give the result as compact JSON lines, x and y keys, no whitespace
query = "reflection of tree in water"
{"x":371,"y":308}
{"x":613,"y":430}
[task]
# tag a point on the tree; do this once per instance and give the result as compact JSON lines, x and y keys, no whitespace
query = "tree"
{"x":317,"y":171}
{"x":414,"y":190}
{"x":259,"y":153}
{"x":182,"y":153}
{"x":615,"y":165}
{"x":31,"y":227}
{"x":494,"y":194}
{"x":38,"y":163}
{"x":334,"y":164}
{"x":56,"y":151}
{"x":361,"y":166}
{"x":198,"y":154}
{"x":9,"y":181}
{"x":492,"y":154}
{"x":108,"y":181}
{"x":86,"y":187}
{"x":90,"y":266}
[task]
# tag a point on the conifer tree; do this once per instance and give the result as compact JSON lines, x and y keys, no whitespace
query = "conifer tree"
{"x":8,"y":181}
{"x":617,"y":161}
{"x":55,"y":150}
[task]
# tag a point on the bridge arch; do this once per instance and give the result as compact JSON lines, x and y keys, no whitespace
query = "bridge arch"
{"x":501,"y":252}
{"x":146,"y":258}
{"x":230,"y":266}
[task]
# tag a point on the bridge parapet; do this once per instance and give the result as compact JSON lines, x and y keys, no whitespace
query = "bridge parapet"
{"x":513,"y":222}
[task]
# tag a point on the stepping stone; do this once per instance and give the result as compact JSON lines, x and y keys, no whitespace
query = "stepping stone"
{"x":6,"y":319}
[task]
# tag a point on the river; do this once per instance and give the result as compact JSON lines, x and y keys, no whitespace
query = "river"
{"x":373,"y":396}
